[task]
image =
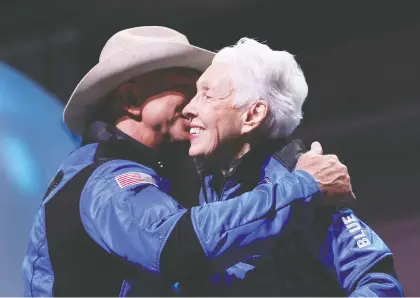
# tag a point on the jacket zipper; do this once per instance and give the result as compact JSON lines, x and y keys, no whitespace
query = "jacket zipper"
{"x":222,"y":190}
{"x":226,"y":180}
{"x":123,"y":286}
{"x":204,"y":190}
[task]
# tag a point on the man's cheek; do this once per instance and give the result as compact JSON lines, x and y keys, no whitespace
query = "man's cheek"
{"x":178,"y":131}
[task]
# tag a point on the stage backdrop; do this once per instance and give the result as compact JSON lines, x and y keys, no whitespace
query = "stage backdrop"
{"x":33,"y":142}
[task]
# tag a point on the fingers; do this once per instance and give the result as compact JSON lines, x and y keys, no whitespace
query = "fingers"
{"x":316,"y":148}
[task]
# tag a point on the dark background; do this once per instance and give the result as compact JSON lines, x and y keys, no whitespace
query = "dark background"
{"x":361,"y":59}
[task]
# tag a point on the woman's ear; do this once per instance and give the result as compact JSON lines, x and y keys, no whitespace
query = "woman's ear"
{"x":129,"y":96}
{"x":254,"y":116}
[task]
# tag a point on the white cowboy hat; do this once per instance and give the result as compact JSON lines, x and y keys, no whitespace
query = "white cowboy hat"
{"x":127,"y":54}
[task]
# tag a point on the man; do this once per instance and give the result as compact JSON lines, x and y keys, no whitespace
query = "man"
{"x":247,"y":101}
{"x":106,"y":225}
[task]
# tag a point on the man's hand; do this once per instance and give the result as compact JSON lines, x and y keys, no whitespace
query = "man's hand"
{"x":331,"y":175}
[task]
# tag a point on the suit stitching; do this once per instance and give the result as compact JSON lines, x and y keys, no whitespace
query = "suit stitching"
{"x":33,"y":264}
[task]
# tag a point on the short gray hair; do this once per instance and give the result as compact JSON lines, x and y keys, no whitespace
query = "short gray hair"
{"x":261,"y":73}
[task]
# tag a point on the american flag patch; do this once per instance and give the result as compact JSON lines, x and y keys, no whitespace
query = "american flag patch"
{"x":134,"y":178}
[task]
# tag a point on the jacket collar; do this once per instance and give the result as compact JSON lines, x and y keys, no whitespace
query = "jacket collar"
{"x":249,"y":161}
{"x":254,"y":159}
{"x":115,"y":144}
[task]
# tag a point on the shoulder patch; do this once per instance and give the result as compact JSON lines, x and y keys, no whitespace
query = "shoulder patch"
{"x":134,"y":178}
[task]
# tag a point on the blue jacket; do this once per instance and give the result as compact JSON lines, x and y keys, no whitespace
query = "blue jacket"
{"x":118,"y":232}
{"x":323,"y":252}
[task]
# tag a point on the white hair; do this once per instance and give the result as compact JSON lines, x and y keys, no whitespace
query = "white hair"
{"x":273,"y":76}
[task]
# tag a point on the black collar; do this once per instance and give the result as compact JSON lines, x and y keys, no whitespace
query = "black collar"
{"x":251,"y":160}
{"x":254,"y":159}
{"x":114,"y":144}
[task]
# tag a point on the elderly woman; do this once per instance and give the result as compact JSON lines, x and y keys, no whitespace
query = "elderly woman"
{"x":247,"y":102}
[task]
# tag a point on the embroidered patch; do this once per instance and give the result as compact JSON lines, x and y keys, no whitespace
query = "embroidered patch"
{"x":355,"y":229}
{"x":134,"y":178}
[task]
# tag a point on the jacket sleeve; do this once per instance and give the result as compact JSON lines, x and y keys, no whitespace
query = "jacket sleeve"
{"x":356,"y":255}
{"x":136,"y":221}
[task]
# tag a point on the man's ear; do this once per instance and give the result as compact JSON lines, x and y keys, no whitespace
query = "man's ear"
{"x":129,"y":96}
{"x":254,"y":116}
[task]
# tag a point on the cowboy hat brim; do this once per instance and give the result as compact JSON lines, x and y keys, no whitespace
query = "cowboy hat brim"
{"x":123,"y":66}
